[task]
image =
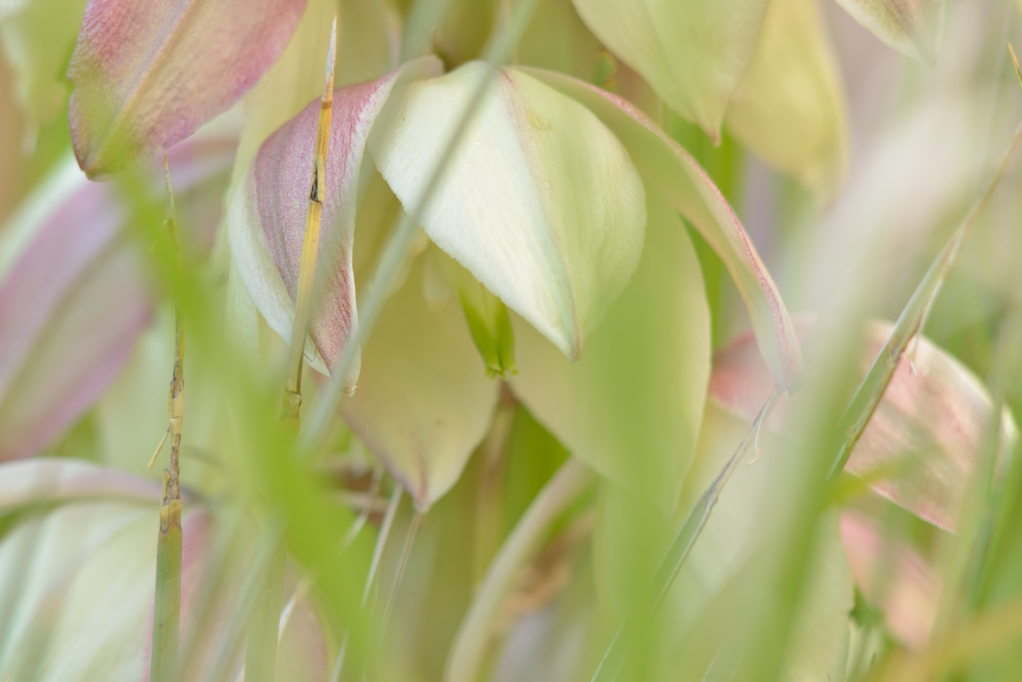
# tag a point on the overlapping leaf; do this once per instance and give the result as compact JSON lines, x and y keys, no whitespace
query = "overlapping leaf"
{"x":148,"y":74}
{"x":540,"y":203}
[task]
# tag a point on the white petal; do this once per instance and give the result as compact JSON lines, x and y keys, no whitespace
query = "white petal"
{"x":540,"y":202}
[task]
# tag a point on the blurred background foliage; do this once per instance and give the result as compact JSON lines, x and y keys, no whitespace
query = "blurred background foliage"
{"x":793,"y":577}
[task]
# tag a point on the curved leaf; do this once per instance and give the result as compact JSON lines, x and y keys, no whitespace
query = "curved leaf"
{"x":148,"y":74}
{"x":631,"y":407}
{"x":789,"y":107}
{"x":541,"y":204}
{"x":693,"y":53}
{"x":267,"y":215}
{"x":909,"y":26}
{"x":925,"y":439}
{"x":676,"y":174}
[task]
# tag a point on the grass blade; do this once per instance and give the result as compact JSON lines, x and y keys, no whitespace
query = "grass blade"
{"x":263,"y":631}
{"x":854,"y":421}
{"x":167,"y":606}
{"x":913,"y":318}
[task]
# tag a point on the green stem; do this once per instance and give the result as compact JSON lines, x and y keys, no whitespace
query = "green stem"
{"x":163,"y":663}
{"x":469,"y":647}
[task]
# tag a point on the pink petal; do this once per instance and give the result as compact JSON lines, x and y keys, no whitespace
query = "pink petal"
{"x":893,"y":577}
{"x":46,"y":479}
{"x":148,"y":74}
{"x":925,"y":438}
{"x":73,"y":303}
{"x":910,"y":26}
{"x":275,"y":195}
{"x":687,"y":186}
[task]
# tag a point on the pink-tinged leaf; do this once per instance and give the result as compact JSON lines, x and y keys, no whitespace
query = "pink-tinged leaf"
{"x":892,"y":577}
{"x":148,"y":74}
{"x":267,"y":214}
{"x":47,"y":480}
{"x":909,"y":26}
{"x":925,"y":439}
{"x":73,"y":297}
{"x":687,"y":186}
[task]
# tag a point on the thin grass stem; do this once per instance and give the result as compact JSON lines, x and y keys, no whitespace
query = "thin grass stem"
{"x":163,"y":664}
{"x":469,"y":649}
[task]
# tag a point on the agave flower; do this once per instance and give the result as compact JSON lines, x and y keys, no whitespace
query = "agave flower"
{"x":546,"y":208}
{"x":560,"y":202}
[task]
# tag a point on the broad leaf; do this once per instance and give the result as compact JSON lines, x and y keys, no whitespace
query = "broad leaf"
{"x":925,"y":439}
{"x":148,"y":74}
{"x":789,"y":107}
{"x":673,"y":171}
{"x":913,"y":27}
{"x":540,"y":203}
{"x":267,"y":215}
{"x":693,"y":53}
{"x":631,"y":407}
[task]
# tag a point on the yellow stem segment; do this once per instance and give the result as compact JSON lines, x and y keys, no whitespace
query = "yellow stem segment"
{"x":310,"y":246}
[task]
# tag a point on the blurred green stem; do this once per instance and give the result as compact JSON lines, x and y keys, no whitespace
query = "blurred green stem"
{"x":167,"y":604}
{"x":469,"y":648}
{"x":261,"y":650}
{"x":913,"y":316}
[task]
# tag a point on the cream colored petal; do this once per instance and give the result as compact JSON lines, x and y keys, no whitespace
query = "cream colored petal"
{"x":693,"y":53}
{"x":423,"y":402}
{"x":790,"y":107}
{"x":631,"y":407}
{"x":913,"y":27}
{"x":540,"y":203}
{"x":675,"y":173}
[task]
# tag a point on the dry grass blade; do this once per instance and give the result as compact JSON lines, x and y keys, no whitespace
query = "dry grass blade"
{"x":912,"y":318}
{"x":856,"y":417}
{"x":167,"y":605}
{"x":310,"y":243}
{"x":681,"y":545}
{"x":263,"y":631}
{"x":393,"y":255}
